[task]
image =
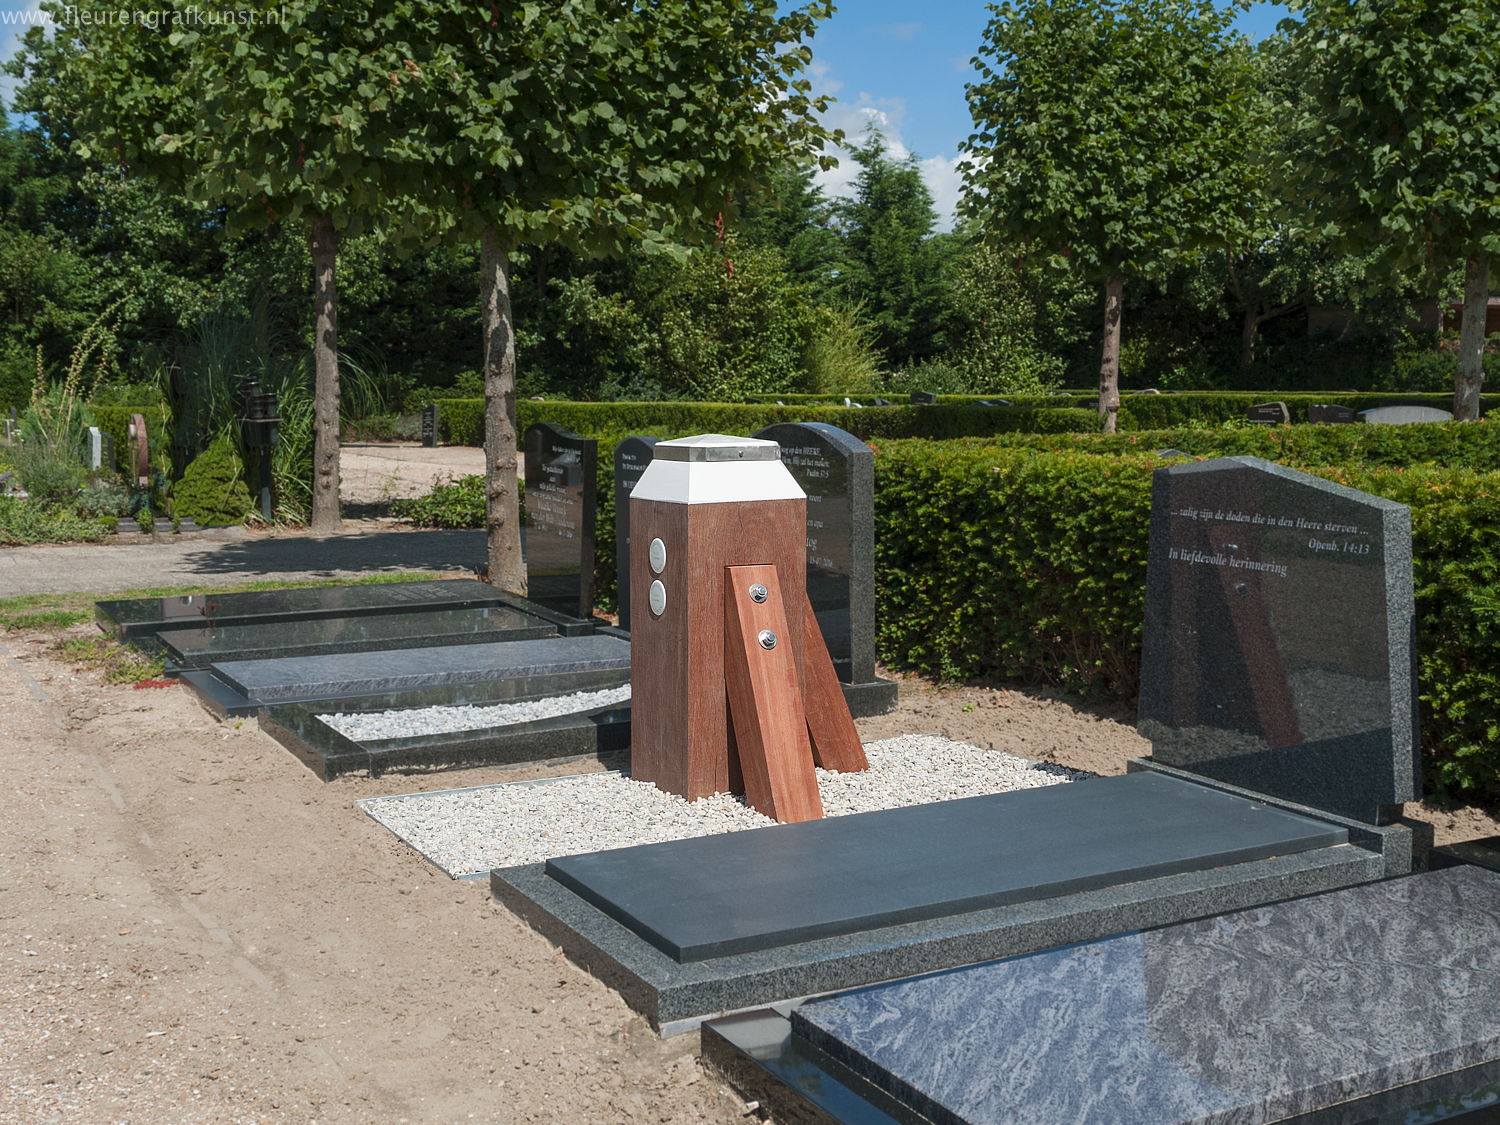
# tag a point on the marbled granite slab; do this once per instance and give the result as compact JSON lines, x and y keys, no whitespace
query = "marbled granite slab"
{"x":1246,"y":1018}
{"x":768,"y":887}
{"x":363,"y":673}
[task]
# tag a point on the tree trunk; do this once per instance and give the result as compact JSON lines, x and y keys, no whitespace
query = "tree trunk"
{"x":1470,"y":377}
{"x":1249,"y":329}
{"x":1109,"y":363}
{"x":502,"y":509}
{"x":325,"y":484}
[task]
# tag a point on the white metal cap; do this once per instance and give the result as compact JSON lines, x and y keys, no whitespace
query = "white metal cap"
{"x":716,"y":469}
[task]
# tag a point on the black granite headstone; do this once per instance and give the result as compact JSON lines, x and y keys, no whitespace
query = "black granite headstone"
{"x":429,"y":424}
{"x":1278,"y":652}
{"x":1269,"y":413}
{"x":837,"y":471}
{"x":923,"y":398}
{"x":560,"y":512}
{"x":1331,"y":414}
{"x":631,"y":458}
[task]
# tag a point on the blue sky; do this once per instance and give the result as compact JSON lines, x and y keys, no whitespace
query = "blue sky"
{"x":900,"y":64}
{"x":905,"y":65}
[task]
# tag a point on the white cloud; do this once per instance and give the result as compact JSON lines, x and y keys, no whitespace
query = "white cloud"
{"x":942,"y":174}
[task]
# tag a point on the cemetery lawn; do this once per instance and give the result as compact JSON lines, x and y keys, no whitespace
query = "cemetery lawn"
{"x":193,"y":928}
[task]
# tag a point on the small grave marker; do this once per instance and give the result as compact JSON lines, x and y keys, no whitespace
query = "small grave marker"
{"x":429,"y":425}
{"x":1269,"y":413}
{"x":1405,"y":415}
{"x":96,"y":449}
{"x":561,"y":506}
{"x":1331,"y":414}
{"x":631,"y":458}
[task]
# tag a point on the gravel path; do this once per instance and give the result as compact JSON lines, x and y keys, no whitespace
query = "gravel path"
{"x":363,"y":726}
{"x":468,"y":831}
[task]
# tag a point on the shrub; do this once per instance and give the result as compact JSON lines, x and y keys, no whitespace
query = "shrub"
{"x":212,"y":492}
{"x":48,"y":471}
{"x":458,"y":504}
{"x":23,"y":522}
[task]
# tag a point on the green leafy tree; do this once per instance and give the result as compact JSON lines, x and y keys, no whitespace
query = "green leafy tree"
{"x":1404,"y":135}
{"x":894,"y":262}
{"x":796,"y":219}
{"x":1112,"y":134}
{"x":300,"y":114}
{"x":602,"y":125}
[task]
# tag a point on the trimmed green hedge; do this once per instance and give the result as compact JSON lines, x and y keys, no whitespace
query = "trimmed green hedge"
{"x":1453,"y":445}
{"x":1026,"y":565}
{"x":461,"y":421}
{"x":1148,"y":412}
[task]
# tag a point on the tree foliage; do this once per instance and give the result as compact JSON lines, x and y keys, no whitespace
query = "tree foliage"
{"x":1404,"y":128}
{"x":1112,"y":135}
{"x":894,"y":262}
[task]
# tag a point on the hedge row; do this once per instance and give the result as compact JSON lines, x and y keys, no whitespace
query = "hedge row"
{"x":1147,"y":412}
{"x":1016,"y":564}
{"x":1474,"y":445}
{"x":461,"y":421}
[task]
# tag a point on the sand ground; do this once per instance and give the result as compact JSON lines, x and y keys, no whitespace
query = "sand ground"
{"x":195,"y":929}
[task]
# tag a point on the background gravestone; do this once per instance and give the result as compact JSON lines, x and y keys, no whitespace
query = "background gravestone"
{"x":1278,"y":651}
{"x":837,"y":471}
{"x":1269,"y":413}
{"x":560,"y":511}
{"x":631,"y":458}
{"x":1405,"y":415}
{"x":1331,"y":414}
{"x":429,"y":425}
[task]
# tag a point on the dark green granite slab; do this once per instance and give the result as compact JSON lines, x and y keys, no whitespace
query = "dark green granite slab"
{"x":714,"y":896}
{"x":195,"y":648}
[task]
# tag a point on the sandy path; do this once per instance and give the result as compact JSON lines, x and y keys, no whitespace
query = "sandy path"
{"x":373,"y":473}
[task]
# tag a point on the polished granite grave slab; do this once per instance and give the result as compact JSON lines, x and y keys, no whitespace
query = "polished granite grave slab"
{"x":139,"y":617}
{"x":1481,"y":853}
{"x":1278,"y":651}
{"x":275,"y":640}
{"x":745,"y":891}
{"x":759,"y":1056}
{"x":1248,"y":1017}
{"x":677,"y":995}
{"x":595,"y":733}
{"x":360,"y":673}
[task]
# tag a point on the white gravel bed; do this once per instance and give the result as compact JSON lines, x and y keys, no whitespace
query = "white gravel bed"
{"x":364,"y":726}
{"x":468,"y":831}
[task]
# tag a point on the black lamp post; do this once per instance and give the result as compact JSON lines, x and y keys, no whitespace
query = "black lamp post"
{"x":260,"y":423}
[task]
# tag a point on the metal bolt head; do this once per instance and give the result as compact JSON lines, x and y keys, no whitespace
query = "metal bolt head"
{"x":767,"y":639}
{"x":758,"y":593}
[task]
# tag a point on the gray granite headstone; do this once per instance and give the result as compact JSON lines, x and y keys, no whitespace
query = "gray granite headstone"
{"x":631,"y":458}
{"x":1278,"y":651}
{"x":560,"y":509}
{"x":1331,"y":414}
{"x":1270,"y":413}
{"x":96,"y":449}
{"x":837,"y":471}
{"x":1405,"y":415}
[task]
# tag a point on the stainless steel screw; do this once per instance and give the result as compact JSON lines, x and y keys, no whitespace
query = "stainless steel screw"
{"x":767,"y":639}
{"x":758,"y":593}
